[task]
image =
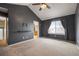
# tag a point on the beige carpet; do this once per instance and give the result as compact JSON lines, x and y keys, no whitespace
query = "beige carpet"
{"x":40,"y":47}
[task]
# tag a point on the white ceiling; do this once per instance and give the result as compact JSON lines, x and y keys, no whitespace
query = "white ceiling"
{"x":56,"y":10}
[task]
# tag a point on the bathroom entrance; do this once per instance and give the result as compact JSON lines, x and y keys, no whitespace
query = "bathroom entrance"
{"x":3,"y":26}
{"x":36,"y":29}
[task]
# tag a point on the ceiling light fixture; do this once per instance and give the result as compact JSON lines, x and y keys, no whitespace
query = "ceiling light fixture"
{"x":43,"y":6}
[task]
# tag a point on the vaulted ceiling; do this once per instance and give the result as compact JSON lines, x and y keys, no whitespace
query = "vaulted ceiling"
{"x":56,"y":10}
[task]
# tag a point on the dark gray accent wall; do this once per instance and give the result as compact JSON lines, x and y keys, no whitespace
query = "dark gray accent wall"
{"x":77,"y":24}
{"x":68,"y":22}
{"x":20,"y":22}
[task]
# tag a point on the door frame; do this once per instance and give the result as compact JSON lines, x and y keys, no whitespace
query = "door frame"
{"x":37,"y":27}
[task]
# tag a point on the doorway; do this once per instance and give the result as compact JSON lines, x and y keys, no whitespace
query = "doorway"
{"x":36,"y":29}
{"x":3,"y":31}
{"x":3,"y":26}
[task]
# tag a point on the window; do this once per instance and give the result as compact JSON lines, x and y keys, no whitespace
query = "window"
{"x":56,"y":27}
